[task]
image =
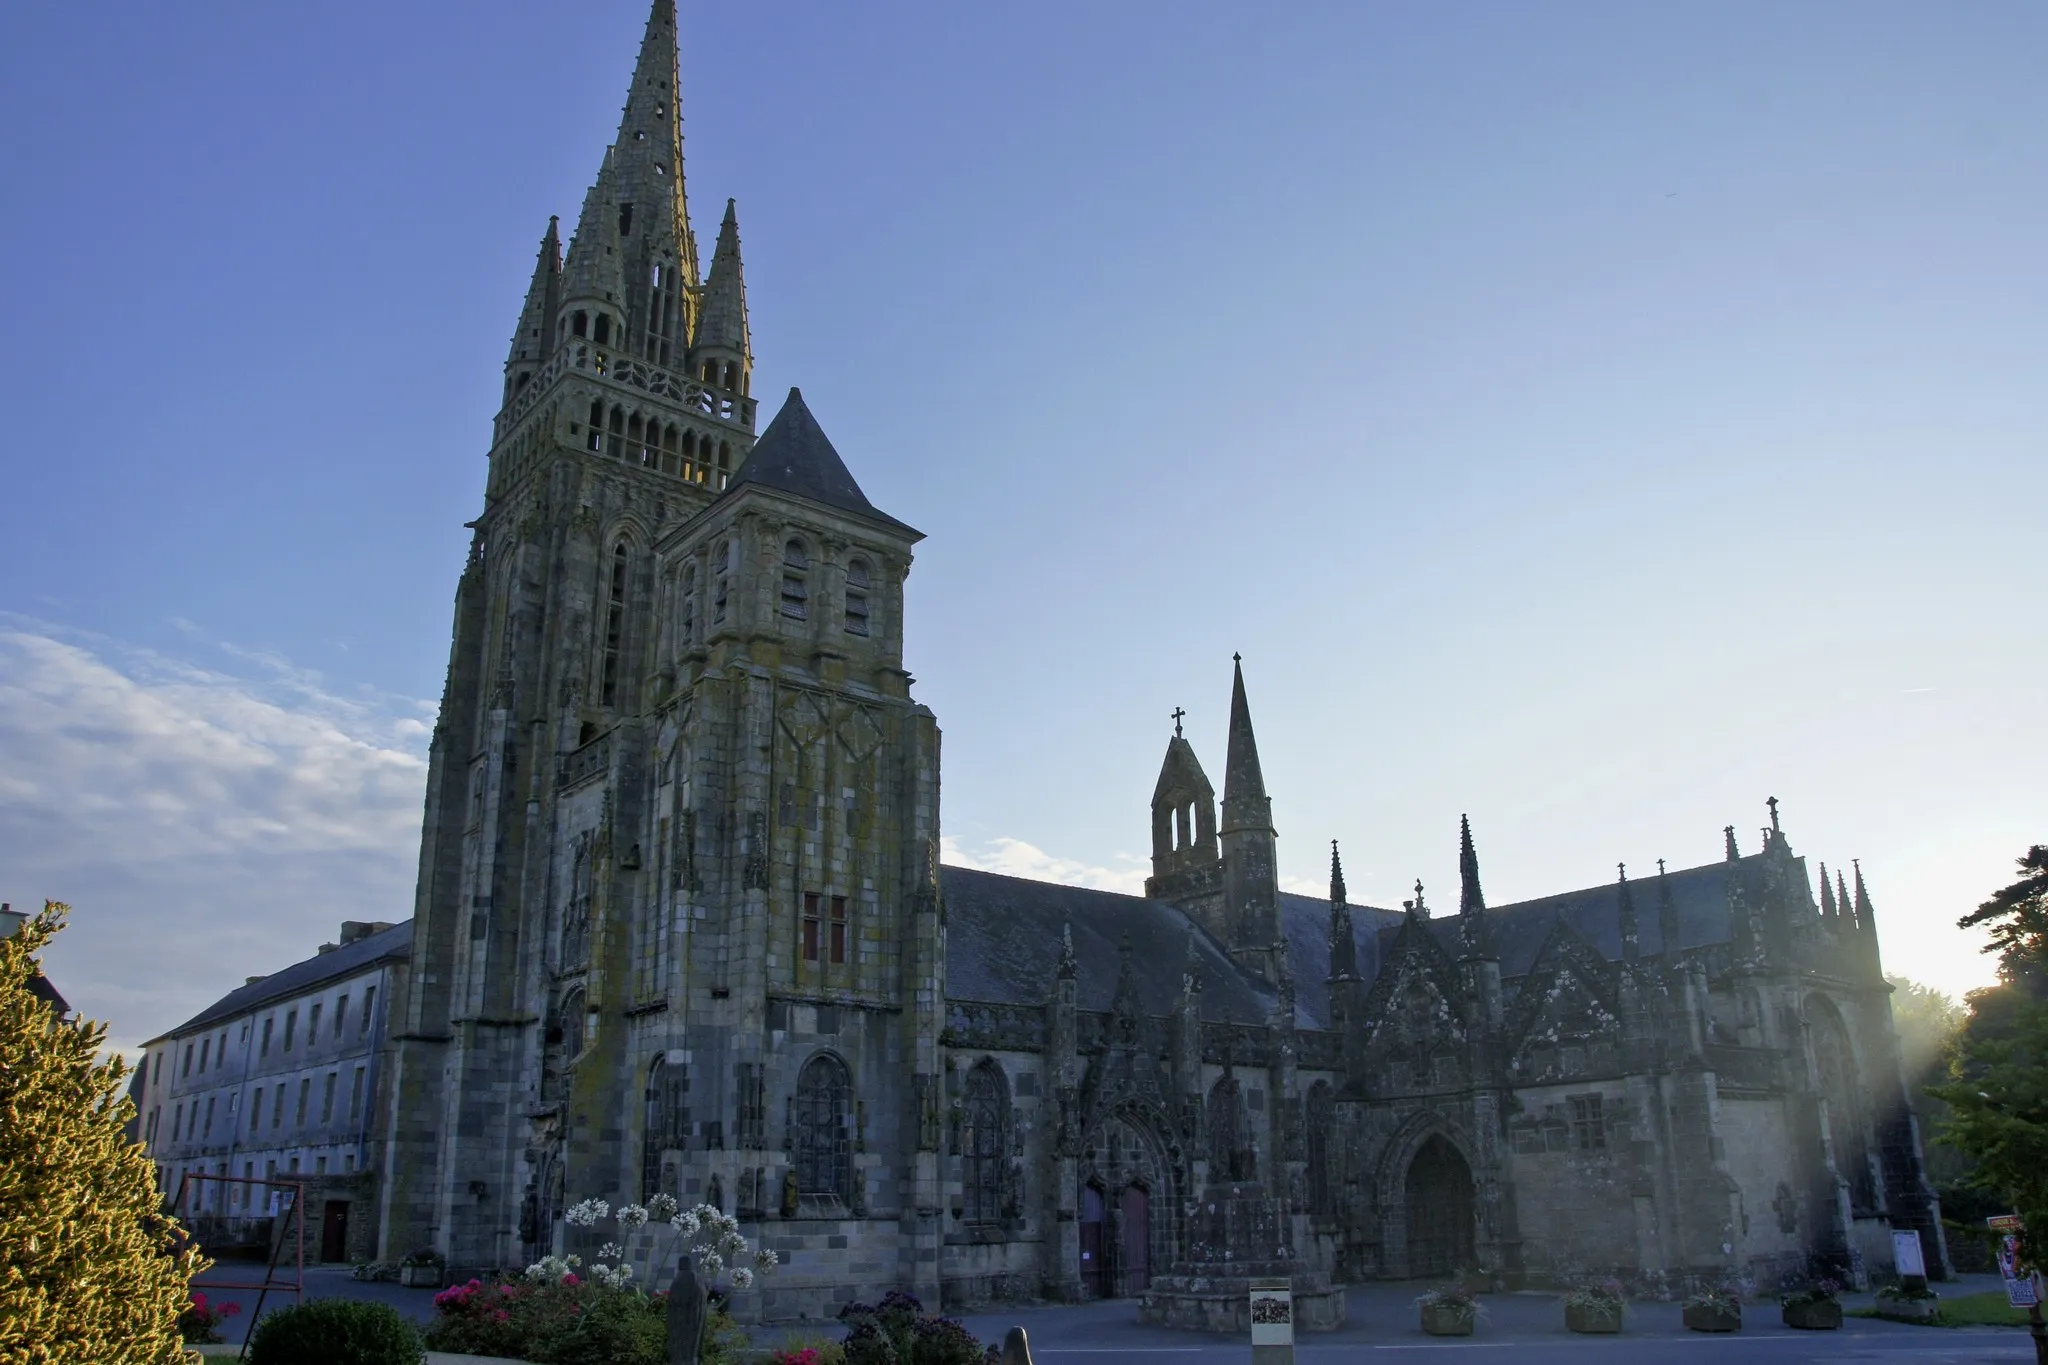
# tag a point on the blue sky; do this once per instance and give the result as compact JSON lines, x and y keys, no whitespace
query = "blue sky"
{"x":1596,"y":418}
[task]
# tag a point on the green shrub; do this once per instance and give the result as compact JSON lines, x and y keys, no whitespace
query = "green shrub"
{"x":898,"y":1331}
{"x":571,"y":1322}
{"x":335,"y":1332}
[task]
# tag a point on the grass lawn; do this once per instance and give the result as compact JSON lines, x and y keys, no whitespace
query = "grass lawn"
{"x":1970,"y":1310}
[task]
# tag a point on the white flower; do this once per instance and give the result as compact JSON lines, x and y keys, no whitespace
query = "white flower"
{"x":662,"y":1206}
{"x":587,"y":1213}
{"x":732,"y":1245}
{"x":574,"y":1261}
{"x":685,"y":1223}
{"x":632,"y":1215}
{"x":709,"y":1262}
{"x":764,"y":1259}
{"x":742,"y":1278}
{"x":611,"y":1251}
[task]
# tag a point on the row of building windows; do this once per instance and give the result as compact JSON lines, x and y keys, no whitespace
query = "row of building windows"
{"x":195,"y":1193}
{"x":211,"y":1052}
{"x":194,"y":1121}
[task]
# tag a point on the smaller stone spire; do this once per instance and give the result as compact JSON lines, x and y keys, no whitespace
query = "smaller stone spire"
{"x":1667,"y":911}
{"x":1866,"y":916}
{"x":1244,"y":784}
{"x":533,"y":340}
{"x":1728,"y":833}
{"x":1843,"y":903}
{"x":1471,"y":900}
{"x":723,"y":351}
{"x":1631,"y":933}
{"x":1343,"y":944}
{"x":1827,"y":895}
{"x":1066,"y":968}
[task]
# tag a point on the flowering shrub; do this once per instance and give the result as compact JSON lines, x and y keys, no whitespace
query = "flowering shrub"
{"x":710,"y":1238}
{"x":1815,"y":1291}
{"x":201,"y":1320}
{"x":898,"y":1331}
{"x":567,"y":1321}
{"x":808,"y":1350}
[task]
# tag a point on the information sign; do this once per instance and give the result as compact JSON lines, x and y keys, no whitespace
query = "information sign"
{"x":2022,"y":1286}
{"x":1906,"y":1257}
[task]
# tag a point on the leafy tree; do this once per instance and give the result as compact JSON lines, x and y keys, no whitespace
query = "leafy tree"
{"x":1998,"y":1096}
{"x":94,"y":1272}
{"x":1929,"y":1022}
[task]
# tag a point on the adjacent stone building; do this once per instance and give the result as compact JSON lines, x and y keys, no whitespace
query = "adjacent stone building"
{"x":279,"y":1080}
{"x":681,"y":924}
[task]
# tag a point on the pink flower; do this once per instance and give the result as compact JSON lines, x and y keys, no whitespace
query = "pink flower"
{"x":570,"y":1278}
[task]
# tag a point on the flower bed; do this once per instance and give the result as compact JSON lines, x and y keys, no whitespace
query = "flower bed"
{"x":1900,"y":1304}
{"x":1813,"y":1308}
{"x":1452,"y":1311}
{"x":1714,"y":1310}
{"x":1595,"y":1307}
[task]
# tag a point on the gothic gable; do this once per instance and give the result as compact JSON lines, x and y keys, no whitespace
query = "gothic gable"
{"x":1566,"y":1017}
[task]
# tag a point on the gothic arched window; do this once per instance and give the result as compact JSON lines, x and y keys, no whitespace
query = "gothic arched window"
{"x":664,"y":1122}
{"x":575,"y":1019}
{"x":1835,"y":1064}
{"x":722,"y":569}
{"x":820,"y":1149}
{"x":1321,"y":1121}
{"x":984,"y":1143}
{"x":796,"y":571}
{"x":1230,"y":1148}
{"x":614,"y":627}
{"x":857,"y":583}
{"x":686,"y":628}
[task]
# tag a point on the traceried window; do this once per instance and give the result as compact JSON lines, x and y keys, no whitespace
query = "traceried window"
{"x":686,"y":627}
{"x":575,"y":1020}
{"x":813,"y":927}
{"x":984,"y":1143}
{"x":824,"y":928}
{"x":614,"y":627}
{"x":1589,"y":1123}
{"x":857,"y":597}
{"x":820,"y":1144}
{"x":722,"y":571}
{"x":664,"y":1120}
{"x":1320,"y":1120}
{"x":796,"y":572}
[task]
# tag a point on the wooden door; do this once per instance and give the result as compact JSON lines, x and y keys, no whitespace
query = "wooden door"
{"x":1439,"y":1198}
{"x":334,"y":1231}
{"x":1136,"y":1244}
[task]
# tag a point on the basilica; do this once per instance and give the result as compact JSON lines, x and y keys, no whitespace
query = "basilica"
{"x":682,"y":925}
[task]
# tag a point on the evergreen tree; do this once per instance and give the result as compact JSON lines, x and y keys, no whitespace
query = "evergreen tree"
{"x":1998,"y":1097}
{"x":94,"y":1272}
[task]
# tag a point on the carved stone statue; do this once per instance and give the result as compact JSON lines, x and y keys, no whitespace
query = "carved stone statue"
{"x":789,"y":1194}
{"x":687,"y":1314}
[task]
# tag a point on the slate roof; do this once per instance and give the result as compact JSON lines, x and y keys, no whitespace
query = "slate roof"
{"x":1003,"y":938}
{"x":795,"y":456}
{"x":385,"y":945}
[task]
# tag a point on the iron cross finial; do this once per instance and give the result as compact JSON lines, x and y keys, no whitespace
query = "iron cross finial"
{"x":1773,"y":804}
{"x":1178,"y":712}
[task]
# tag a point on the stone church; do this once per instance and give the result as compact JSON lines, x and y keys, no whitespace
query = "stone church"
{"x":682,"y":924}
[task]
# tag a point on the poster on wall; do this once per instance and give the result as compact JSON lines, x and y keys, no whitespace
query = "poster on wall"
{"x":1273,"y":1314}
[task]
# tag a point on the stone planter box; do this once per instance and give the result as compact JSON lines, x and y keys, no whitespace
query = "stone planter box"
{"x":1824,"y":1316}
{"x":1439,"y":1321}
{"x":422,"y":1276}
{"x":1705,"y":1319}
{"x":1909,"y":1310}
{"x":1592,"y":1319}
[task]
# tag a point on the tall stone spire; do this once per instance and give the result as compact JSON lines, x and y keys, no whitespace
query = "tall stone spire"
{"x":722,"y":352}
{"x":1343,"y":944}
{"x":1251,"y":882}
{"x":1631,"y":931}
{"x":631,"y":276}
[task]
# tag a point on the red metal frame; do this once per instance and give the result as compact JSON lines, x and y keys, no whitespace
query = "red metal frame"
{"x":293,"y":1211}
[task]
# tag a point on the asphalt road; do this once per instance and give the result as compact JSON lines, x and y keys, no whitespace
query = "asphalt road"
{"x":1526,"y":1329}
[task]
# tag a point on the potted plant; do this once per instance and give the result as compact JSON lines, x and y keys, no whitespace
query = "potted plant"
{"x":1714,"y":1310}
{"x":424,"y":1269}
{"x":1908,"y":1303}
{"x":1594,"y":1307}
{"x":1450,"y":1311}
{"x":1814,"y":1307}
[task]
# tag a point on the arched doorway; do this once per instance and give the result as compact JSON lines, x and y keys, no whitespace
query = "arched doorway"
{"x":1094,"y":1246}
{"x":1438,"y":1198}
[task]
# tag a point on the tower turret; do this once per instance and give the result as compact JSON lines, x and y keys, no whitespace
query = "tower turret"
{"x":1251,"y":886}
{"x":722,"y":351}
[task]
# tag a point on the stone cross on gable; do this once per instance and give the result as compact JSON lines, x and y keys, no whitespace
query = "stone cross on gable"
{"x":1773,"y":804}
{"x":1178,"y":713}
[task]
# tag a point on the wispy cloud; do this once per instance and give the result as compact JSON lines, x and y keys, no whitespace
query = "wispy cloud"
{"x":1015,"y":858}
{"x":206,"y":823}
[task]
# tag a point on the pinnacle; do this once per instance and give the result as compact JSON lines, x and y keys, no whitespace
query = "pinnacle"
{"x":1244,"y":784}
